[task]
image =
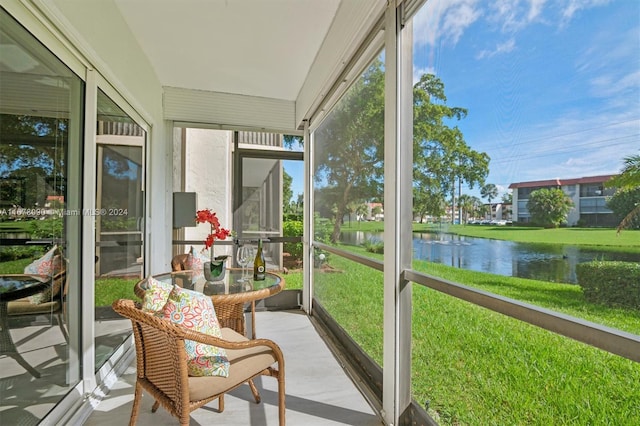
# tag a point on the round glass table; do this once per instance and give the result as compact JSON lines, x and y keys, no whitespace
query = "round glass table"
{"x":228,"y":295}
{"x":14,"y":287}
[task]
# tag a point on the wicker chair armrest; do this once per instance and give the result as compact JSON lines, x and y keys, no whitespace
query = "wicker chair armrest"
{"x":226,"y":344}
{"x":129,"y":309}
{"x":138,"y":289}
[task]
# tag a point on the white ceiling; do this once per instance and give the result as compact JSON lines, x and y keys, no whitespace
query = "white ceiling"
{"x":252,"y":47}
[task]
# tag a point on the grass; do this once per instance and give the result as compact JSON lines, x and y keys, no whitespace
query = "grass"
{"x":15,"y":226}
{"x":603,"y":238}
{"x":14,"y":266}
{"x":628,"y":240}
{"x":112,"y":288}
{"x":475,"y":366}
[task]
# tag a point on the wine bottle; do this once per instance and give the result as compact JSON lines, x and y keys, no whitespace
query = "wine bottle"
{"x":259,"y":264}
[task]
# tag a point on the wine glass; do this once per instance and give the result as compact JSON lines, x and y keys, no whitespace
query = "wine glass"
{"x":250,"y":254}
{"x":242,"y":256}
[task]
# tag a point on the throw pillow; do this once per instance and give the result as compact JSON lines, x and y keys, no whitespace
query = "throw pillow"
{"x":155,"y":295}
{"x":48,"y":265}
{"x":195,"y":311}
{"x":195,"y":262}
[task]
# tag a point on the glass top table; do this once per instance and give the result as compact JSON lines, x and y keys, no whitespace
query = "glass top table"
{"x":228,"y":295}
{"x":14,"y":287}
{"x":17,"y":286}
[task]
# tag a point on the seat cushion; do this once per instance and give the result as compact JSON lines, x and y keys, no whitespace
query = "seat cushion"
{"x":26,"y":307}
{"x":195,"y":311}
{"x":245,"y":363}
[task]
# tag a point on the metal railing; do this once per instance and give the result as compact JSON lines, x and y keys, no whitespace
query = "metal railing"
{"x":609,"y":339}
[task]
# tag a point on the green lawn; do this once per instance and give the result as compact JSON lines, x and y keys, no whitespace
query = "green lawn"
{"x":475,"y":366}
{"x":603,"y":237}
{"x":113,"y":288}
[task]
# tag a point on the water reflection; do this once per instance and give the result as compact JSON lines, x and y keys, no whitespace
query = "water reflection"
{"x":546,"y":262}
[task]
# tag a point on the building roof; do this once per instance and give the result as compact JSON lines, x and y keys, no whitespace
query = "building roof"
{"x":561,"y":182}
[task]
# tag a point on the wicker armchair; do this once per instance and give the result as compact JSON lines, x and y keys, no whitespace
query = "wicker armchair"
{"x":162,"y":366}
{"x":179,"y":262}
{"x":53,"y":302}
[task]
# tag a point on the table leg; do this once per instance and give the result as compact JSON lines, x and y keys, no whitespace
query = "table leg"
{"x":8,"y":347}
{"x":253,"y":319}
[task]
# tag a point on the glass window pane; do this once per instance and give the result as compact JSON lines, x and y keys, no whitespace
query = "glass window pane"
{"x":119,"y":220}
{"x":259,"y":213}
{"x":293,"y":209}
{"x":549,"y":95}
{"x":40,"y":127}
{"x":348,"y":184}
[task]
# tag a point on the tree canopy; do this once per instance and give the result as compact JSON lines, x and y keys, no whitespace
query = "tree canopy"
{"x":549,"y":206}
{"x":33,"y":151}
{"x":626,"y":201}
{"x":349,"y":149}
{"x":441,"y":155}
{"x":349,"y":146}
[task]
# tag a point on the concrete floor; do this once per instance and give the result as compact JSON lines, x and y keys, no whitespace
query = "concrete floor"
{"x":318,"y":390}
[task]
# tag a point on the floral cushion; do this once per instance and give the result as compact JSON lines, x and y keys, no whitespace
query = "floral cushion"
{"x":195,"y":262}
{"x":195,"y":311}
{"x":50,"y":266}
{"x":155,"y":295}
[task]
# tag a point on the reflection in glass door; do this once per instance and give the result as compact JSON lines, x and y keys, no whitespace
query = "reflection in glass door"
{"x":40,"y":150}
{"x":267,"y":194}
{"x":258,"y":213}
{"x":119,"y":220}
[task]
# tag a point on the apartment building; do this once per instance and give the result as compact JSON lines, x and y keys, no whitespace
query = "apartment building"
{"x":589,"y":196}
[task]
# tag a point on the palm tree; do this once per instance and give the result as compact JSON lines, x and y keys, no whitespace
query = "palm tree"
{"x":490,"y":192}
{"x":466,"y":204}
{"x":628,"y":178}
{"x":361,"y":211}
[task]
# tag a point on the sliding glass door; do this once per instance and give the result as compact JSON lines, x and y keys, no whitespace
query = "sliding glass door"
{"x":119,"y":220}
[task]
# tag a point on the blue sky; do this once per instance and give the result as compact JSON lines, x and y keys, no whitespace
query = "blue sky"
{"x":552,"y":87}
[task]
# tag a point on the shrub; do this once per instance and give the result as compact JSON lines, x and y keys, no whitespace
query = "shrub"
{"x":610,"y":283}
{"x":293,"y":228}
{"x":323,"y":228}
{"x":292,"y":217}
{"x":374,"y":245}
{"x":47,"y":228}
{"x":15,"y":253}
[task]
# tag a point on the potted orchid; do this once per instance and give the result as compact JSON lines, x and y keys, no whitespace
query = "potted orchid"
{"x":214,"y":269}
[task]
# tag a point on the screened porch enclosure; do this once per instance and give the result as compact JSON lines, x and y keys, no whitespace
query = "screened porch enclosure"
{"x":148,"y":103}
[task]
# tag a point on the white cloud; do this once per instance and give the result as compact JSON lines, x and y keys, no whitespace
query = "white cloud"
{"x":513,"y":15}
{"x":567,"y":147}
{"x":609,"y":85}
{"x":505,"y":47}
{"x":447,"y":20}
{"x":573,"y":6}
{"x":535,"y":9}
{"x":418,"y":72}
{"x":444,"y":20}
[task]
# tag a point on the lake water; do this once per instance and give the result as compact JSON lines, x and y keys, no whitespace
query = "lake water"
{"x":546,"y":262}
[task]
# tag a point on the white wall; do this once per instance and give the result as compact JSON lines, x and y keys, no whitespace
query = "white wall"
{"x":208,"y":171}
